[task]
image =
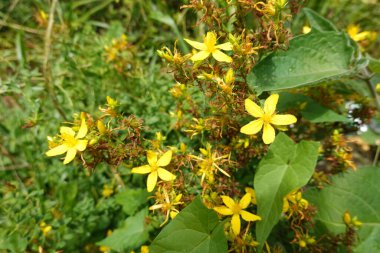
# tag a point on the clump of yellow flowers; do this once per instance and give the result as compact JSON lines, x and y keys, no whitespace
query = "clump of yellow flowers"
{"x":267,"y":117}
{"x":69,"y":142}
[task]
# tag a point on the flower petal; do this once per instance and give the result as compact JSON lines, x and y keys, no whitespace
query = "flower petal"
{"x":165,"y":159}
{"x":252,"y":127}
{"x":210,"y":39}
{"x":220,"y":56}
{"x":253,"y":109}
{"x":247,"y":216}
{"x":81,"y":145}
{"x":200,"y":56}
{"x":197,"y":45}
{"x":230,"y":203}
{"x":235,"y":222}
{"x":59,"y":150}
{"x":142,"y":169}
{"x":82,"y":130}
{"x":225,"y":46}
{"x":223,"y":210}
{"x":165,"y":175}
{"x":152,"y":157}
{"x":152,"y":181}
{"x":270,"y":104}
{"x":71,"y":152}
{"x":268,"y":134}
{"x":67,"y":130}
{"x":282,"y":120}
{"x":245,"y":200}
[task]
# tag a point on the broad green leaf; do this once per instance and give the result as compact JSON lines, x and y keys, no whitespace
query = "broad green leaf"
{"x":131,"y":199}
{"x":310,"y":110}
{"x":310,"y":59}
{"x":196,"y":229}
{"x":317,"y":21}
{"x":286,"y":167}
{"x":130,"y":236}
{"x":357,"y":192}
{"x":371,"y":137}
{"x":374,"y":65}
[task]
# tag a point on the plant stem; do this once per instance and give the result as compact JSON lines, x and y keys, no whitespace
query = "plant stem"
{"x":46,"y":66}
{"x":376,"y":158}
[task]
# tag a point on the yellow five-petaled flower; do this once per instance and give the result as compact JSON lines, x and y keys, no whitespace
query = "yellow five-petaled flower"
{"x":236,"y":209}
{"x":70,"y":143}
{"x":209,"y":47}
{"x":154,"y":169}
{"x":266,"y":118}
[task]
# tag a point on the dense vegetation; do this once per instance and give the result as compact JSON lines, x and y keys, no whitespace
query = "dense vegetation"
{"x":240,"y":126}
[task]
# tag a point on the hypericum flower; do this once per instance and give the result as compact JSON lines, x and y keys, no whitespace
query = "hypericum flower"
{"x":294,"y":203}
{"x":107,"y":190}
{"x":237,"y":210}
{"x":144,"y":249}
{"x":266,"y":118}
{"x":351,"y":222}
{"x":70,"y":143}
{"x":208,"y":47}
{"x":167,"y":204}
{"x":45,"y":228}
{"x":306,"y":29}
{"x":208,"y":166}
{"x":154,"y":168}
{"x":353,"y":31}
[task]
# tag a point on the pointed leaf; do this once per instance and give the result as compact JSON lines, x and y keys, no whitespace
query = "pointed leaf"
{"x":310,"y":59}
{"x":358,"y":193}
{"x":318,"y":22}
{"x":286,"y":167}
{"x":132,"y":199}
{"x":132,"y":235}
{"x":196,"y":229}
{"x":310,"y":109}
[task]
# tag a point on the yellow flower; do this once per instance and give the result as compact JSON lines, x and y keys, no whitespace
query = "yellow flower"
{"x":351,"y":222}
{"x":266,"y":118}
{"x":167,"y":204}
{"x":208,"y":165}
{"x":144,"y":249}
{"x":253,"y":194}
{"x":107,"y":191}
{"x":237,"y":210}
{"x":104,"y":249}
{"x":45,"y":228}
{"x":208,"y":47}
{"x":306,"y":29}
{"x":353,"y":31}
{"x":154,"y":169}
{"x":294,"y":202}
{"x":70,"y":143}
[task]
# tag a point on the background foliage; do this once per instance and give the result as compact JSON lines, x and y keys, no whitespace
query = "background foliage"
{"x":46,"y":79}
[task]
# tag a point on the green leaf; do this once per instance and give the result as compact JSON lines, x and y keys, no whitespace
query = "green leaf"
{"x":15,"y":243}
{"x":374,"y":65}
{"x":318,"y":22}
{"x":357,"y":192}
{"x":131,"y":199}
{"x":132,"y":235}
{"x":286,"y":168}
{"x":371,"y":137}
{"x":196,"y":229}
{"x":310,"y":110}
{"x":310,"y":59}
